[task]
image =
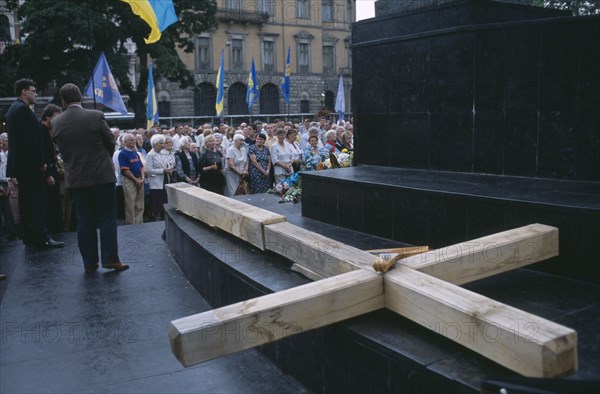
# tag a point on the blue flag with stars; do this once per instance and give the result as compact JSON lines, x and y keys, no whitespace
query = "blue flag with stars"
{"x":104,"y":88}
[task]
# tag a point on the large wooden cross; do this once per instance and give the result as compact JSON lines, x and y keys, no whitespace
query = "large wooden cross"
{"x":423,"y":288}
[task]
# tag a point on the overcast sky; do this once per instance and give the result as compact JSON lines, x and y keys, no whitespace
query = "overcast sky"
{"x":365,"y":9}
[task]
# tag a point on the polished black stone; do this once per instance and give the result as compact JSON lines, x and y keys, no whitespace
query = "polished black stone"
{"x":479,"y":86}
{"x":64,"y":331}
{"x":440,"y":208}
{"x":380,"y":351}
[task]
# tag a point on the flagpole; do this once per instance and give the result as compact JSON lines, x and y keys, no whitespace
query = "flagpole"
{"x":91,"y":52}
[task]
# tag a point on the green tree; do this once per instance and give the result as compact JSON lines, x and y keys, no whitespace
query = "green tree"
{"x":577,"y":7}
{"x":64,"y":39}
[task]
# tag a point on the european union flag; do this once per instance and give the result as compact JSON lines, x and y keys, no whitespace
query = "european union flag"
{"x":152,"y":113}
{"x":158,"y":14}
{"x":104,"y":88}
{"x":252,"y":92}
{"x":285,"y":83}
{"x":220,"y":85}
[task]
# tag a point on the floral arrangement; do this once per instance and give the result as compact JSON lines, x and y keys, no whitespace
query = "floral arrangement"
{"x":290,"y":189}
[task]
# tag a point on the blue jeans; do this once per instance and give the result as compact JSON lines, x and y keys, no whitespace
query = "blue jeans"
{"x":96,"y":208}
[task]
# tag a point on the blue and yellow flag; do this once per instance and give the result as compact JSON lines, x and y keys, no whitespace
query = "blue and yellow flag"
{"x":220,"y":85}
{"x":285,"y":83}
{"x":152,"y":113}
{"x":252,"y":92}
{"x":340,"y":101}
{"x":103,"y":87}
{"x":158,"y":14}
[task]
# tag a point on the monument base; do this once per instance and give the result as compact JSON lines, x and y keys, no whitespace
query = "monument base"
{"x":380,"y":351}
{"x":438,"y":208}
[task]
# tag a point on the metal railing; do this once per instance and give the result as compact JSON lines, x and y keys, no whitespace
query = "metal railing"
{"x":235,"y":120}
{"x":242,"y":15}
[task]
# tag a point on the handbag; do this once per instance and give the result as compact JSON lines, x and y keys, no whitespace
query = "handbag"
{"x":243,"y":188}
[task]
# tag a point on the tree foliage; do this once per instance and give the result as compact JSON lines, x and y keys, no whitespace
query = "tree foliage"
{"x":577,"y":7}
{"x":64,"y":39}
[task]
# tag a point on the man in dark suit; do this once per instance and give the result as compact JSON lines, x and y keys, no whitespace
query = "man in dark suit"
{"x":86,"y":146}
{"x":26,"y":164}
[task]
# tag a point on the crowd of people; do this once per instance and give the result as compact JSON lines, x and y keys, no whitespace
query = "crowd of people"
{"x":71,"y":161}
{"x":218,"y":158}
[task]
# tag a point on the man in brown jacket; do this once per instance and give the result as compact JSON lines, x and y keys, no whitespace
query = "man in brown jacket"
{"x":86,"y":145}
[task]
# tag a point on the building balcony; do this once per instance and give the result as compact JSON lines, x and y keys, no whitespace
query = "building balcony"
{"x":242,"y":16}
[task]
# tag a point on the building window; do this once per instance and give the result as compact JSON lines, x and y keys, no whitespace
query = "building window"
{"x":328,"y":10}
{"x":234,"y":4}
{"x":348,"y":53}
{"x":203,"y":61}
{"x":268,"y":56}
{"x":266,"y":6}
{"x":303,"y":58}
{"x":236,"y":99}
{"x":164,"y":108}
{"x":329,"y":100}
{"x":305,"y":106}
{"x":328,"y":59}
{"x":302,"y":10}
{"x":349,"y":11}
{"x":269,"y":99}
{"x":204,"y":100}
{"x":237,"y":54}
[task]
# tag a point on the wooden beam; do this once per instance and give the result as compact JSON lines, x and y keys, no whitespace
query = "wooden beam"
{"x":483,"y":257}
{"x":247,"y":324}
{"x":459,"y":264}
{"x":235,"y":217}
{"x":315,"y":252}
{"x":520,"y":341}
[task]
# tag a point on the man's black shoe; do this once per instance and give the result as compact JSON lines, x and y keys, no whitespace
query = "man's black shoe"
{"x":51,"y":244}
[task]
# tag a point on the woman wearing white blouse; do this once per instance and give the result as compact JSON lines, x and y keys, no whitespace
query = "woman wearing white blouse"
{"x":282,"y":156}
{"x":237,"y":165}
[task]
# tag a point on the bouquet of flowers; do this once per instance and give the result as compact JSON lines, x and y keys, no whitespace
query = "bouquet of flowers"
{"x":290,"y":189}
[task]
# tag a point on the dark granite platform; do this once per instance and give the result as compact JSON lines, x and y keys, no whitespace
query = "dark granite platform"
{"x":62,"y":331}
{"x":380,"y":351}
{"x":438,"y":208}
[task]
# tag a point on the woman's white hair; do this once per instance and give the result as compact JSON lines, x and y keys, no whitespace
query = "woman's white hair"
{"x":157,"y":139}
{"x":330,"y":135}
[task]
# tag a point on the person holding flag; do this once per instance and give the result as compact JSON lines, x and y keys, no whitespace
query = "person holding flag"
{"x":252,"y":92}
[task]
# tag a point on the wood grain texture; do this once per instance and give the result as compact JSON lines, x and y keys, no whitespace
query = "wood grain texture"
{"x":520,"y":341}
{"x":316,"y":252}
{"x":247,"y":324}
{"x":243,"y":220}
{"x":483,"y":257}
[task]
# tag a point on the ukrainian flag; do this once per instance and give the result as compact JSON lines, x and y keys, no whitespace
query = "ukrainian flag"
{"x":220,"y":85}
{"x":158,"y":14}
{"x":152,"y":113}
{"x":252,"y":91}
{"x":285,"y":81}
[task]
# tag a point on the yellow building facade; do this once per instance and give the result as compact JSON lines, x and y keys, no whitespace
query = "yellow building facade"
{"x":317,"y":33}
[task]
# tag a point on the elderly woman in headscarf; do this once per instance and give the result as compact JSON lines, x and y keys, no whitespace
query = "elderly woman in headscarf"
{"x":237,"y":165}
